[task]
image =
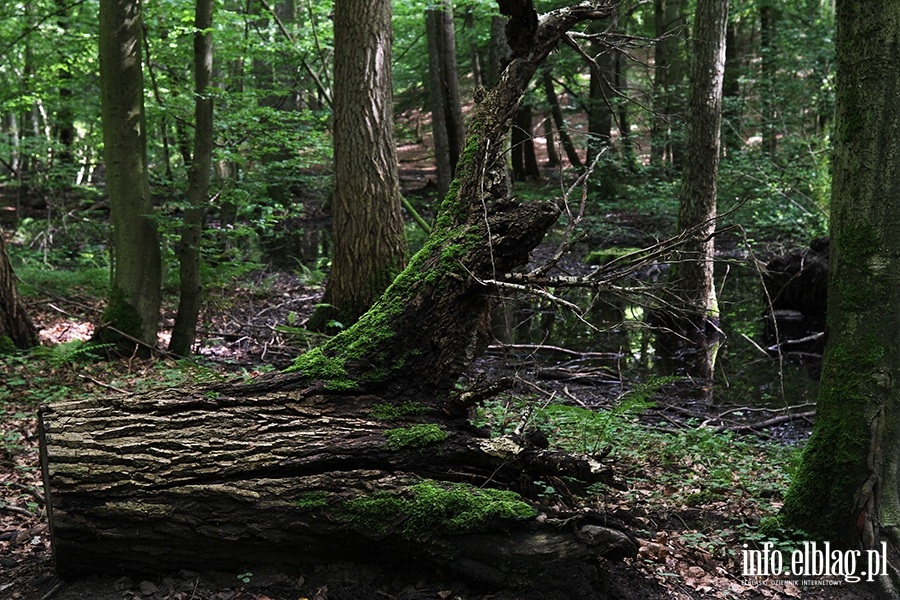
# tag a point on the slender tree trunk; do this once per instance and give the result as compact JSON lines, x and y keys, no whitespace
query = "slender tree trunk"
{"x":474,"y":57}
{"x":600,"y":108}
{"x":369,"y":244}
{"x":191,"y":289}
{"x":847,"y":489}
{"x":498,"y":51}
{"x":65,"y":126}
{"x":622,"y":104}
{"x":446,"y":108}
{"x":135,"y":295}
{"x":767,"y":15}
{"x":552,"y":154}
{"x":691,"y":278}
{"x":731,"y":93}
{"x":556,"y":110}
{"x":16,"y":329}
{"x":668,"y":76}
{"x":524,"y":160}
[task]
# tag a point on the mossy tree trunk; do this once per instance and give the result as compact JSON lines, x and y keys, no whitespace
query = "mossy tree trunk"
{"x":16,"y":329}
{"x":364,"y":443}
{"x":848,"y":486}
{"x":135,"y":295}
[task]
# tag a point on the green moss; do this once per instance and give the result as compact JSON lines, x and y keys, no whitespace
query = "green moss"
{"x":839,"y":444}
{"x":417,"y":436}
{"x":430,"y":505}
{"x":373,"y":513}
{"x":311,"y":500}
{"x":122,"y":315}
{"x":386,"y":412}
{"x":316,"y":365}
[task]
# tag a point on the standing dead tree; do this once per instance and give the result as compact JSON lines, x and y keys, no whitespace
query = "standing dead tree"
{"x":365,"y":440}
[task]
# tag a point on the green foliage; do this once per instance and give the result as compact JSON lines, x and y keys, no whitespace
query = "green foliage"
{"x":6,"y":345}
{"x":68,"y":353}
{"x":415,"y":436}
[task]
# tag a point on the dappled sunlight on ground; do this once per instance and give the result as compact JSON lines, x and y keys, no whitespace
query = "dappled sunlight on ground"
{"x":60,"y":331}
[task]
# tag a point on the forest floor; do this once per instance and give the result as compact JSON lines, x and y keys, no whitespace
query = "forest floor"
{"x":687,"y":551}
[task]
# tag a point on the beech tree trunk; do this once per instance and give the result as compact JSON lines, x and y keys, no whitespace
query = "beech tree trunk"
{"x":364,"y":442}
{"x":135,"y":295}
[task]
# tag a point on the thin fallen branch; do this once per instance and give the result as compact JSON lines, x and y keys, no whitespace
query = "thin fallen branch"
{"x":16,"y":509}
{"x":536,"y":347}
{"x":767,"y":423}
{"x":26,"y":488}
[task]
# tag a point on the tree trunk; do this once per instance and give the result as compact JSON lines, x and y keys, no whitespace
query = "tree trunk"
{"x":524,"y":160}
{"x":446,"y":109}
{"x":767,"y":16}
{"x":498,"y":51}
{"x":691,"y":277}
{"x":474,"y":57}
{"x":731,"y":94}
{"x":369,"y":243}
{"x":552,"y":154}
{"x":556,"y":109}
{"x":362,"y":444}
{"x":847,"y":488}
{"x":665,"y":144}
{"x":135,"y":295}
{"x":16,"y":329}
{"x":191,"y":290}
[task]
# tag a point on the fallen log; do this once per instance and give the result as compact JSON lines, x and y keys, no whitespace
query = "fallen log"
{"x":364,"y":451}
{"x":215,"y":478}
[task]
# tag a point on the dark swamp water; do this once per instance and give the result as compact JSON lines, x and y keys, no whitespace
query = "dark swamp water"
{"x":614,"y":348}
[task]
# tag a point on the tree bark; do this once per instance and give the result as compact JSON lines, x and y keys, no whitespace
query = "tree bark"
{"x":665,"y":142}
{"x":191,"y":289}
{"x":552,"y":154}
{"x":691,"y":278}
{"x":446,"y":108}
{"x":359,"y":443}
{"x":556,"y":110}
{"x":16,"y":329}
{"x":135,"y":295}
{"x":847,"y":488}
{"x":369,"y":243}
{"x":524,"y":160}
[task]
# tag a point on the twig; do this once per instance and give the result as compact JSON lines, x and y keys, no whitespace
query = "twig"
{"x":767,"y":423}
{"x":755,"y":345}
{"x":101,"y":384}
{"x":53,"y":590}
{"x":16,"y":509}
{"x":803,"y":340}
{"x":554,"y":349}
{"x":26,"y":488}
